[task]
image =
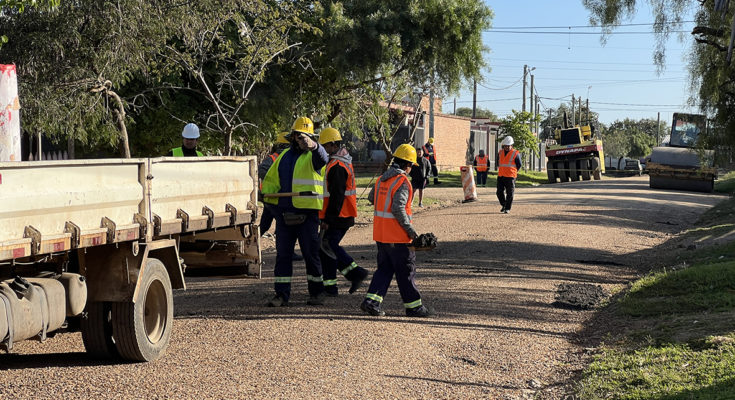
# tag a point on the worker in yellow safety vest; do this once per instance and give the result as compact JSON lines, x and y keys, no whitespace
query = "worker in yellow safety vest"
{"x":295,"y":171}
{"x":509,"y":162}
{"x":481,"y":164}
{"x":393,"y":232}
{"x":338,"y":214}
{"x":190,"y":138}
{"x":266,"y":218}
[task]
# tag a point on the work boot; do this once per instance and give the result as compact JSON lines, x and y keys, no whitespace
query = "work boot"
{"x":372,"y":307}
{"x":278,"y":301}
{"x":331,"y":291}
{"x":317,"y":300}
{"x":506,"y":211}
{"x":357,"y":275}
{"x":502,"y":210}
{"x":420,"y":312}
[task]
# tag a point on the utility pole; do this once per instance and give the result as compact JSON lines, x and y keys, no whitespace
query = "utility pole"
{"x":536,"y":124}
{"x":580,"y":110}
{"x":525,"y":71}
{"x":658,"y":128}
{"x":474,"y":100}
{"x":588,"y":110}
{"x":530,"y":95}
{"x":573,"y":114}
{"x":455,"y":106}
{"x":431,"y":110}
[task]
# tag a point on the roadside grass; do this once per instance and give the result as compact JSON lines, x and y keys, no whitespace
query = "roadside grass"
{"x":525,"y":178}
{"x":726,"y":183}
{"x":677,"y":338}
{"x":365,"y":182}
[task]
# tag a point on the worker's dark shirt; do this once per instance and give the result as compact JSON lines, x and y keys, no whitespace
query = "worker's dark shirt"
{"x":337,"y":178}
{"x":187,"y":152}
{"x":286,"y":166}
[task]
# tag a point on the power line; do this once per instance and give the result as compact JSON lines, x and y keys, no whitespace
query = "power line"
{"x":587,"y":26}
{"x":536,"y":62}
{"x":581,"y":33}
{"x":505,"y":88}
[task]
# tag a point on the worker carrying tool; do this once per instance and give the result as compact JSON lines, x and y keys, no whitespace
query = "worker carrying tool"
{"x":393,"y":232}
{"x":430,"y":153}
{"x":294,"y":187}
{"x":338,"y":215}
{"x":190,"y":138}
{"x":509,"y":162}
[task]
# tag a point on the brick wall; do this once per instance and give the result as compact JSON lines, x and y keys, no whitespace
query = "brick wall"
{"x":451,"y":138}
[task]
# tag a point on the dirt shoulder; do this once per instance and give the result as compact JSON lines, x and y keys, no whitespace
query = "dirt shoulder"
{"x":491,"y":281}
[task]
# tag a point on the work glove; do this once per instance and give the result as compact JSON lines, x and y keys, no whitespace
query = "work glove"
{"x":306,"y":143}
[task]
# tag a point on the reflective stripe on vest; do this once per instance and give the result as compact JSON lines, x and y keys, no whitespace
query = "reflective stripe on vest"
{"x":481,"y":163}
{"x":507,"y":165}
{"x":386,"y":228}
{"x":304,"y":179}
{"x":349,"y":205}
{"x":179,"y":152}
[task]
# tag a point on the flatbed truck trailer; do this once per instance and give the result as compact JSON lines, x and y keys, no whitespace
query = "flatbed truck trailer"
{"x":93,"y":245}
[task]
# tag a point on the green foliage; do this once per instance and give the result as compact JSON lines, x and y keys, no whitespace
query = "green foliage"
{"x":632,"y":138}
{"x":517,"y":126}
{"x":479,"y":113}
{"x":726,"y":183}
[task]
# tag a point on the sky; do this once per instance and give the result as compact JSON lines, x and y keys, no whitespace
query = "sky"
{"x":619,"y":78}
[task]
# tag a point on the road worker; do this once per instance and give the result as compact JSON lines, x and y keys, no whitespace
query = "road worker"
{"x":509,"y":162}
{"x":190,"y":138}
{"x":430,"y":153}
{"x":266,"y":218}
{"x":481,"y":164}
{"x":393,"y":233}
{"x":420,"y":174}
{"x":338,"y":214}
{"x":297,"y":218}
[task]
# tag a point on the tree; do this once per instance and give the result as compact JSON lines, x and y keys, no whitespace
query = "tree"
{"x":632,"y":138}
{"x":557,"y":119}
{"x":74,"y":62}
{"x":479,"y":113}
{"x":517,"y":126}
{"x":711,"y":69}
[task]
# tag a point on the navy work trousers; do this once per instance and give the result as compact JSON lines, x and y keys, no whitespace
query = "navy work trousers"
{"x":331,"y":265}
{"x":307,"y":233}
{"x":506,"y":188}
{"x":398,"y":259}
{"x":481,"y":177}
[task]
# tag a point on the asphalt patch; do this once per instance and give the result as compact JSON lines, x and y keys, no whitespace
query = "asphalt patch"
{"x":579,"y":296}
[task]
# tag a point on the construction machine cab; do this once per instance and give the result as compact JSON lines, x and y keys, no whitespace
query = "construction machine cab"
{"x":686,"y":128}
{"x":576,"y":135}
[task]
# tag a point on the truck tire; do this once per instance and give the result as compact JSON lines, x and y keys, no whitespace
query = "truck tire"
{"x":561,"y":171}
{"x":550,"y":173}
{"x":585,"y":164}
{"x":596,"y":169}
{"x":573,"y":170}
{"x":143,"y":328}
{"x":96,"y":330}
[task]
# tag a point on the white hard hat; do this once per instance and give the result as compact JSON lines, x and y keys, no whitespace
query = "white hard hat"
{"x":191,"y":131}
{"x":507,"y":141}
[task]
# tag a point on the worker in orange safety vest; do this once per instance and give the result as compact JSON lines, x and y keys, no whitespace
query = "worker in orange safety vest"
{"x":338,"y":215}
{"x":393,"y":232}
{"x":509,"y":162}
{"x":481,"y":164}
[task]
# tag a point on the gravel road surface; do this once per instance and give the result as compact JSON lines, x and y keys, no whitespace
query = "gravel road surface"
{"x":491,"y":281}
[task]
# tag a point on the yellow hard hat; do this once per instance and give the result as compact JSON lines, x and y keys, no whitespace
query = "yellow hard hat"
{"x":329,"y":135}
{"x":282,"y":138}
{"x":431,"y":140}
{"x":303,"y":125}
{"x":406,"y":152}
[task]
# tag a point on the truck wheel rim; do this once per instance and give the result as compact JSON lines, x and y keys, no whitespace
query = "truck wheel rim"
{"x":156,"y":307}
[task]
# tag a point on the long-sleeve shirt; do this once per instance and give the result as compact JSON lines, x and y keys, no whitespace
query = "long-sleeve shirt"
{"x":399,"y":200}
